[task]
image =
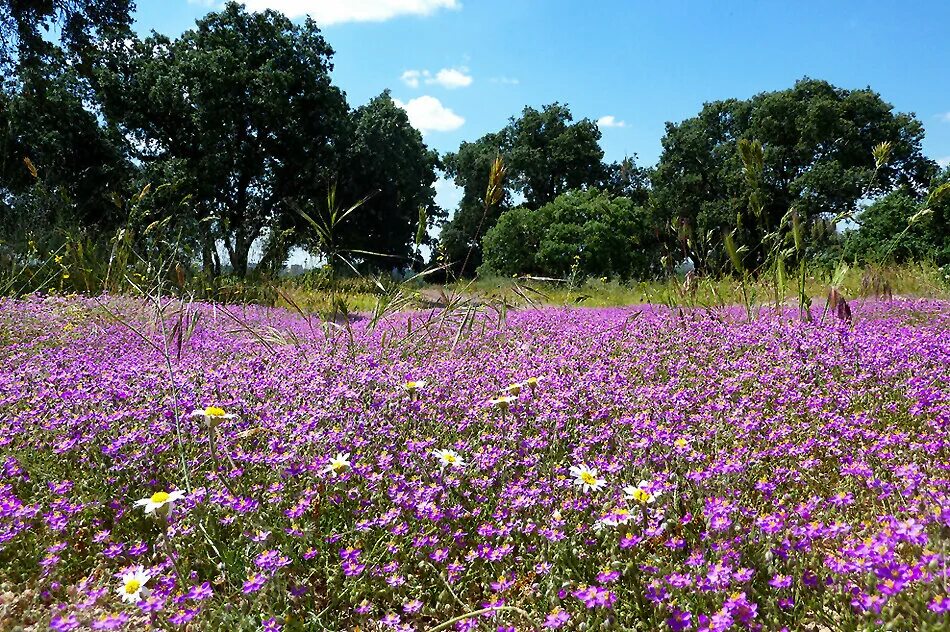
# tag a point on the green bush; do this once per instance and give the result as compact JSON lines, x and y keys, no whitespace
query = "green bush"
{"x":602,"y":236}
{"x":899,"y":228}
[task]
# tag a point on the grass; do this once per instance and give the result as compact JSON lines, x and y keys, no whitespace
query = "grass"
{"x":923,"y":280}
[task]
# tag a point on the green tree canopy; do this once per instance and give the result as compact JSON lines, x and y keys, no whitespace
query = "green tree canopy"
{"x":549,"y":154}
{"x":546,"y":153}
{"x":902,"y":227}
{"x":243,"y":107}
{"x":386,"y":158}
{"x":81,"y":24}
{"x":817,"y":142}
{"x":49,"y":125}
{"x":600,"y":234}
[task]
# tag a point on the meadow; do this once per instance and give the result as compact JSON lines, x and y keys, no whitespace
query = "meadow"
{"x":199,"y":466}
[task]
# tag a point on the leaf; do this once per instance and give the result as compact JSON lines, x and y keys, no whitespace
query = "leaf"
{"x":734,"y":253}
{"x":30,"y":167}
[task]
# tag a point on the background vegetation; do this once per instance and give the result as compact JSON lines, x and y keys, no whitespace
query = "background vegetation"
{"x":219,"y":152}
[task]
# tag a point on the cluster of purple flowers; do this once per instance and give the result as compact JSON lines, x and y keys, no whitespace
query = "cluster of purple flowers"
{"x":636,"y":468}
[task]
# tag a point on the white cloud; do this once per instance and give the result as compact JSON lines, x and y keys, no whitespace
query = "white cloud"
{"x":427,"y":114}
{"x":945,"y":117}
{"x":450,"y":78}
{"x":328,"y":12}
{"x":610,"y":121}
{"x":411,"y":78}
{"x":505,"y":81}
{"x":944,"y":162}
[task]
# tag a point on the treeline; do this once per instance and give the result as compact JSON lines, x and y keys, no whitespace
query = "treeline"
{"x":232,"y":137}
{"x":814,"y":172}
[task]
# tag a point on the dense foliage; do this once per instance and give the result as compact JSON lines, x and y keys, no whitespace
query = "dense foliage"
{"x":614,"y":469}
{"x":242,"y":108}
{"x":233,"y":129}
{"x":546,"y":154}
{"x":900,"y":227}
{"x":227,"y":147}
{"x":386,"y":159}
{"x":584,"y":232}
{"x":81,"y":26}
{"x":818,"y":145}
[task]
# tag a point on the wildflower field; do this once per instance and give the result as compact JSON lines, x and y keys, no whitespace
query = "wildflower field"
{"x":203,"y":468}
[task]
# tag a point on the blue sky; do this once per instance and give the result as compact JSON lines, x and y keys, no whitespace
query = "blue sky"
{"x":463,"y":67}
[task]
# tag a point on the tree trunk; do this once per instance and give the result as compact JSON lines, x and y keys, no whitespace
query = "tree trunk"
{"x":239,"y":256}
{"x":207,"y":254}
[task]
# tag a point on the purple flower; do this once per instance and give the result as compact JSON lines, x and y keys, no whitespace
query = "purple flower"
{"x":740,"y":608}
{"x":556,"y":619}
{"x":679,"y":620}
{"x":596,"y":597}
{"x":940,"y":604}
{"x":271,"y":560}
{"x":608,"y":576}
{"x":199,"y":593}
{"x":182,"y":617}
{"x":110,"y":621}
{"x":64,"y":624}
{"x":780,"y":581}
{"x":255,"y":581}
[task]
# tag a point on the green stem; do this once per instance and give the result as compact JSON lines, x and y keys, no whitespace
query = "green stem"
{"x":475,"y":613}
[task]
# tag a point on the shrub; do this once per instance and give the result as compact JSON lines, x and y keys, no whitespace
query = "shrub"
{"x":604,"y":235}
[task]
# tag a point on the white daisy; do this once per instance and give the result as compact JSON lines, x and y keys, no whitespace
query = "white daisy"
{"x":449,"y":458}
{"x":641,"y":493}
{"x":212,"y":415}
{"x":418,"y":385}
{"x":133,"y":587}
{"x":338,"y":464}
{"x":503,"y":401}
{"x":586,"y":478}
{"x":160,"y":503}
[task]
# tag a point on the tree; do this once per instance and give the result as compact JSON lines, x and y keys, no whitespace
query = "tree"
{"x":460,"y":239}
{"x":599,"y":234}
{"x":81,"y":24}
{"x":59,"y":165}
{"x":387,"y":160}
{"x":817,"y":144}
{"x":243,"y":106}
{"x":549,"y":155}
{"x":50,"y":117}
{"x":901,"y":227}
{"x":546,"y":154}
{"x":626,"y":179}
{"x":886,"y":233}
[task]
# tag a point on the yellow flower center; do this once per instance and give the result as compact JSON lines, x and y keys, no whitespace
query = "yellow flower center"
{"x":160,"y":498}
{"x":588,"y":478}
{"x":132,"y":586}
{"x":450,"y":458}
{"x":680,"y":443}
{"x":641,"y":496}
{"x":214,"y":411}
